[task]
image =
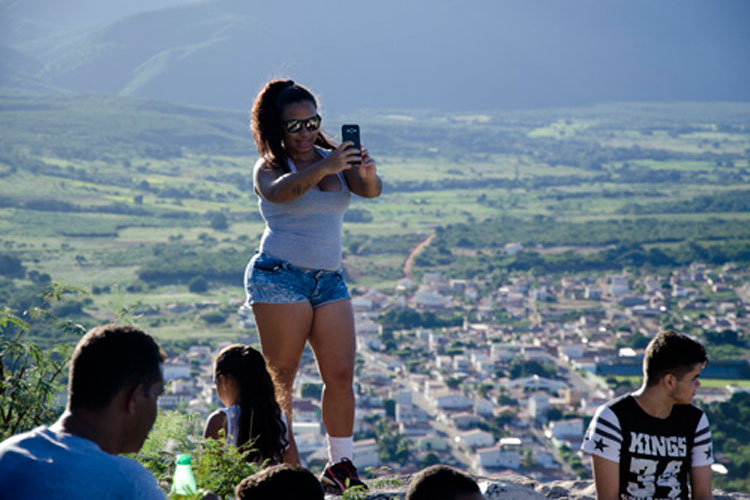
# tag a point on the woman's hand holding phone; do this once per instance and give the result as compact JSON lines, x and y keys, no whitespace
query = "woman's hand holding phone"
{"x":341,"y":158}
{"x":367,"y":170}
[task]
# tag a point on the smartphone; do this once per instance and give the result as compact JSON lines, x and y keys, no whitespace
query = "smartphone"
{"x":350,"y":132}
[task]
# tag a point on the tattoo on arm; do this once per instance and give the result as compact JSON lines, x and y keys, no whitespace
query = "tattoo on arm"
{"x":301,"y":189}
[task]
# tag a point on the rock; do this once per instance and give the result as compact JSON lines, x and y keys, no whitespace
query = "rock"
{"x":564,"y":490}
{"x":506,"y":486}
{"x":503,"y":490}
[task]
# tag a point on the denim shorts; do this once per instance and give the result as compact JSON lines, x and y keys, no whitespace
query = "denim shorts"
{"x":271,"y":280}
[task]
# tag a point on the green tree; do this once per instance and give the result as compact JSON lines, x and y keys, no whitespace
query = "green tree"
{"x":29,"y":375}
{"x":520,"y":368}
{"x":11,"y":266}
{"x":218,"y":221}
{"x":213,"y":317}
{"x":392,"y":446}
{"x":390,"y":408}
{"x":311,"y":390}
{"x":199,"y":284}
{"x":430,"y":459}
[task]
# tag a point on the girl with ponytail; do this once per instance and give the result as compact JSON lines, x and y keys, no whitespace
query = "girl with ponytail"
{"x":252,"y":418}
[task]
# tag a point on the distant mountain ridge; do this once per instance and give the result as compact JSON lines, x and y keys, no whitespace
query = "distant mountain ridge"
{"x":417,"y":54}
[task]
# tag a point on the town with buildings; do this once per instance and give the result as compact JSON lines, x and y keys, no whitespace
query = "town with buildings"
{"x":515,"y":385}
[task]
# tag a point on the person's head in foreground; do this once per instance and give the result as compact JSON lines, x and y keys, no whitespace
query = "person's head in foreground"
{"x":280,"y":482}
{"x":114,"y":383}
{"x":441,"y":482}
{"x":117,"y":370}
{"x":672,"y":364}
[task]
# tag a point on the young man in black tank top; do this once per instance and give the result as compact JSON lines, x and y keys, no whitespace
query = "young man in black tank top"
{"x":645,"y":445}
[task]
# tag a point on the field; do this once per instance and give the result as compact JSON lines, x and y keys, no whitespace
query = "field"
{"x":705,"y":382}
{"x":131,"y":200}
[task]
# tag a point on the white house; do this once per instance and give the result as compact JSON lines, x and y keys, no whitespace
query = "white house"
{"x":305,"y":410}
{"x":435,"y":340}
{"x":431,"y":298}
{"x":366,"y":453}
{"x":176,"y":370}
{"x":461,"y":363}
{"x":484,"y":407}
{"x":423,"y":333}
{"x":431,"y":442}
{"x":495,"y":457}
{"x":451,"y":400}
{"x":372,"y":343}
{"x":444,"y":363}
{"x":433,"y":388}
{"x":487,"y":367}
{"x":366,"y":326}
{"x":303,"y":428}
{"x":537,"y":383}
{"x":475,"y":438}
{"x":410,"y":413}
{"x":544,"y":459}
{"x":592,"y":292}
{"x":537,"y":353}
{"x":504,"y":352}
{"x":538,"y":406}
{"x":571,"y":351}
{"x":464,"y":420}
{"x":361,"y":304}
{"x":477,"y":358}
{"x":203,"y":350}
{"x":618,"y":285}
{"x":512,"y":248}
{"x":414,"y":429}
{"x":562,"y":429}
{"x":402,"y":396}
{"x":308,"y":442}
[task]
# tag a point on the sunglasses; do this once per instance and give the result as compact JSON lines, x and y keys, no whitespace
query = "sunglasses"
{"x":294,"y":126}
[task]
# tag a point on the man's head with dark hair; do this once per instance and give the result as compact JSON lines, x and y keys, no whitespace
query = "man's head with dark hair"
{"x":108,"y":359}
{"x":440,"y":482}
{"x":280,"y":482}
{"x":671,"y":353}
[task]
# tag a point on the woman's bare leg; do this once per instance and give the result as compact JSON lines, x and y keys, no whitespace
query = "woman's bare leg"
{"x":333,"y":342}
{"x":283,"y":330}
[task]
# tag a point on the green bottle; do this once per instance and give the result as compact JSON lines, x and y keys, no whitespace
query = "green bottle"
{"x":183,"y":482}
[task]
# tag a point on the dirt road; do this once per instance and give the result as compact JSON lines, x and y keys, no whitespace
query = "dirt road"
{"x":410,"y":259}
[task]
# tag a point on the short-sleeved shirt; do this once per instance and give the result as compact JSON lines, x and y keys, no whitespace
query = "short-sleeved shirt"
{"x":655,"y":455}
{"x":47,"y":464}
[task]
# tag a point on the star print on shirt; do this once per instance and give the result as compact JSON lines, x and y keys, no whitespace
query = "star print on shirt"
{"x":599,"y":444}
{"x":708,"y":452}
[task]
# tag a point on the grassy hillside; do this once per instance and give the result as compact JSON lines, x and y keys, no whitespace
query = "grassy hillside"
{"x":134,"y":199}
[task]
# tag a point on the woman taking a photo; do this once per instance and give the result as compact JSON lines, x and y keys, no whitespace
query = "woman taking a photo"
{"x":294,"y":282}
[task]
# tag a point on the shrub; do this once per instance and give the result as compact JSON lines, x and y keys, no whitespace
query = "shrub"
{"x":11,"y":266}
{"x":217,"y":467}
{"x":29,"y":375}
{"x":213,"y":318}
{"x":198,"y":284}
